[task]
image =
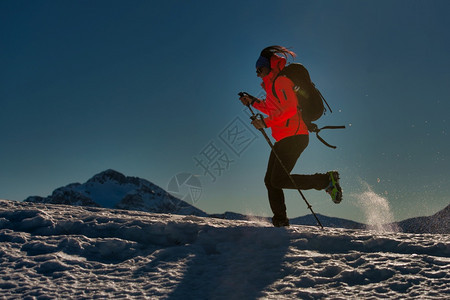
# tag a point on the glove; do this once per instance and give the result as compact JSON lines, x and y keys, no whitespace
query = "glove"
{"x":246,"y":100}
{"x":259,"y":123}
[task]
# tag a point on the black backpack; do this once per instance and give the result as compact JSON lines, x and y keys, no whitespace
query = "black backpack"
{"x":310,"y":100}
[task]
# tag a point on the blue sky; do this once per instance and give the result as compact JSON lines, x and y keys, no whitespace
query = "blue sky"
{"x":148,"y":87}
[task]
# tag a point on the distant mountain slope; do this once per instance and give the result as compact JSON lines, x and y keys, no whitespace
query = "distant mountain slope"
{"x":111,"y":189}
{"x":437,"y":223}
{"x":327,"y":222}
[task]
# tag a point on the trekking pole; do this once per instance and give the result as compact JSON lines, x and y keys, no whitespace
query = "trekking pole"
{"x":256,"y":116}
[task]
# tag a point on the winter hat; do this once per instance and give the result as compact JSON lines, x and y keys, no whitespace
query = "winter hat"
{"x":263,"y":62}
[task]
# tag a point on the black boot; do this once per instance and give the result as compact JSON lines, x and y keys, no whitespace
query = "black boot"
{"x":280,"y":221}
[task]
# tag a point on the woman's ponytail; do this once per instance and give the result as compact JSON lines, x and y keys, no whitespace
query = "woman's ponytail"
{"x":271,"y":50}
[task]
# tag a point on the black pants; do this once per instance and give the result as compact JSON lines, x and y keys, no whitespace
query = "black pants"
{"x":276,"y":179}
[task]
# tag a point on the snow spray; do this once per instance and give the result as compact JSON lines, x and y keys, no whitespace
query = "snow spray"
{"x":377,"y":211}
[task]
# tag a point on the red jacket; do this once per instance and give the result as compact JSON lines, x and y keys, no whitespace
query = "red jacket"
{"x":283,"y":116}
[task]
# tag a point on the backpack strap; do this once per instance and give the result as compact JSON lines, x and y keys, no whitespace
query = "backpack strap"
{"x":322,"y":97}
{"x":274,"y":92}
{"x":317,"y":130}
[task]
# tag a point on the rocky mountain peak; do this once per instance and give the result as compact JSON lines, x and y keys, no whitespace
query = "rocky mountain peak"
{"x":109,"y":175}
{"x":112,"y":189}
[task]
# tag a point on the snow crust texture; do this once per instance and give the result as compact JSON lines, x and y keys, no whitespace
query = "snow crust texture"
{"x":50,"y":251}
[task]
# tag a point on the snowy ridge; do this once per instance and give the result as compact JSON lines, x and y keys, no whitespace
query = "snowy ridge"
{"x":111,"y":189}
{"x":67,"y":252}
{"x":305,"y":220}
{"x":437,"y":223}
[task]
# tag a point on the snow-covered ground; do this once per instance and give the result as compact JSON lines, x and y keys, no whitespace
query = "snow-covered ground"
{"x":61,"y":252}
